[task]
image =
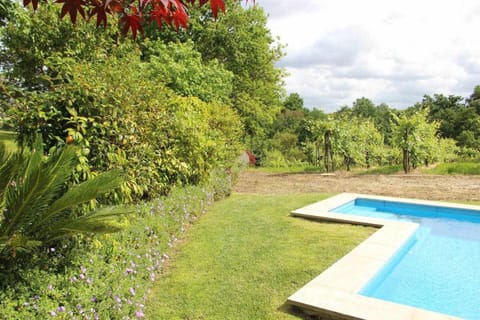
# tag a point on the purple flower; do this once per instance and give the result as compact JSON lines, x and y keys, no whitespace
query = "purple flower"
{"x":83,"y":269}
{"x":117,"y":298}
{"x":139,"y":314}
{"x":61,"y":309}
{"x":82,"y":276}
{"x":93,"y":299}
{"x":52,"y":313}
{"x":132,"y":291}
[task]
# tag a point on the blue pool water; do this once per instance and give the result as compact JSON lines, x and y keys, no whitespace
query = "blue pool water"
{"x":438,"y":269}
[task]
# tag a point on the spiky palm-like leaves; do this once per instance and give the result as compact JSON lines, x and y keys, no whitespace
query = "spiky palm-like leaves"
{"x":36,"y":205}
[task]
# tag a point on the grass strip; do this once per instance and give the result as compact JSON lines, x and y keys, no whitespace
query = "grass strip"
{"x":465,"y":168}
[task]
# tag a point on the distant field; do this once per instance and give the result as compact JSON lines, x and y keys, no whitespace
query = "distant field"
{"x":8,"y":138}
{"x":467,"y":168}
{"x":454,"y":187}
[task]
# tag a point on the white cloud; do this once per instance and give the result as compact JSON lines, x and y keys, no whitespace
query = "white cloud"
{"x":392,"y":52}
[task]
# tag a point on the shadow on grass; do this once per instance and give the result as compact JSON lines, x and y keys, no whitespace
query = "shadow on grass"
{"x":298,"y":312}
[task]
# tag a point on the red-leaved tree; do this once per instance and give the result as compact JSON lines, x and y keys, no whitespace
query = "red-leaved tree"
{"x":133,"y":14}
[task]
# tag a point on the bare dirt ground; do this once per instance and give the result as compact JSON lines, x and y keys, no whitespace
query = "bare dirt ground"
{"x":420,"y":186}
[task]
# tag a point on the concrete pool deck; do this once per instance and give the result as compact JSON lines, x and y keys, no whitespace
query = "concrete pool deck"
{"x":334,"y":293}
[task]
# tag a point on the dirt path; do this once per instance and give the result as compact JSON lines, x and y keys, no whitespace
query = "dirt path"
{"x":431,"y":187}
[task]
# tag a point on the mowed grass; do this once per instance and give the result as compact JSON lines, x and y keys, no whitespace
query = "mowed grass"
{"x":8,"y":138}
{"x":246,"y":256}
{"x":468,"y":168}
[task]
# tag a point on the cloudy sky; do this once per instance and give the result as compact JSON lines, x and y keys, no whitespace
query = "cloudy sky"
{"x":391,"y":52}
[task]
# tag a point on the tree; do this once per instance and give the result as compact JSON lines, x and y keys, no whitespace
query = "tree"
{"x":457,"y":120}
{"x":363,"y":108}
{"x":133,"y":15}
{"x":347,"y":142}
{"x":415,"y":137}
{"x":474,"y":100}
{"x":323,"y":132}
{"x":383,"y":119}
{"x":242,"y":42}
{"x":293,"y":102}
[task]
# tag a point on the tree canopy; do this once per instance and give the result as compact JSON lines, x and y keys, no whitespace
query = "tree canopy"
{"x":132,"y":14}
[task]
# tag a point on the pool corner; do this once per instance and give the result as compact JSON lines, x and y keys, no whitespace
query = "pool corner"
{"x":334,"y":293}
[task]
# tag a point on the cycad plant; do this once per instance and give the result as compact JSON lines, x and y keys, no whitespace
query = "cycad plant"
{"x":37,"y":206}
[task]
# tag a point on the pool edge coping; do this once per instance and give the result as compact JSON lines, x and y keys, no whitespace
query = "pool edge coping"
{"x":335,"y":290}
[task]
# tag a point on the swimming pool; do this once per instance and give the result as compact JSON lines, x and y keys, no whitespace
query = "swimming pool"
{"x":393,"y":274}
{"x":438,"y":268}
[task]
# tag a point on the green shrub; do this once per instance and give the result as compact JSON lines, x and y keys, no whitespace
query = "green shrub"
{"x":37,"y":208}
{"x":274,"y":159}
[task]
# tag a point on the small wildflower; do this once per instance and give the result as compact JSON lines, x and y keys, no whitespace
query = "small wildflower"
{"x":93,"y":299}
{"x":52,"y":313}
{"x":52,"y":249}
{"x":83,"y":269}
{"x":132,"y":291}
{"x":35,"y":297}
{"x":73,"y":279}
{"x":82,"y":276}
{"x":139,"y":314}
{"x":50,"y":287}
{"x":61,"y":309}
{"x":89,"y":281}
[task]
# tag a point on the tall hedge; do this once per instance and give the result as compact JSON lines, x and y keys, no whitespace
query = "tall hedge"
{"x":122,"y":118}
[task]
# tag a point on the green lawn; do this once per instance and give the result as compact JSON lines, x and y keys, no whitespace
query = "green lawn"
{"x":8,"y":138}
{"x":246,"y":256}
{"x":468,"y":168}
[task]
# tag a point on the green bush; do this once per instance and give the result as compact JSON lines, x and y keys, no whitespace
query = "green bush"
{"x":158,"y":137}
{"x":37,"y":208}
{"x":111,"y":276}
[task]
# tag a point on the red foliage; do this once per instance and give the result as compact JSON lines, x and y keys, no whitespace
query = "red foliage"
{"x":251,"y":158}
{"x":72,"y":7}
{"x":134,"y":13}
